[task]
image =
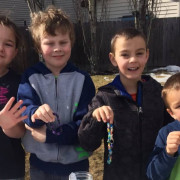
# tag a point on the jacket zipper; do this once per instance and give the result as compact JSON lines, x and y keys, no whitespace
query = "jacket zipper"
{"x":56,"y":93}
{"x":140,"y":112}
{"x":56,"y":97}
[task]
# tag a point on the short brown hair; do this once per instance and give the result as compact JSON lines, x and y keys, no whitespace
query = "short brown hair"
{"x":128,"y":33}
{"x":49,"y":21}
{"x":173,"y":83}
{"x":5,"y":21}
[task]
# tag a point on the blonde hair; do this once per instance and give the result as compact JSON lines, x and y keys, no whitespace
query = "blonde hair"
{"x":128,"y":33}
{"x":48,"y":22}
{"x":173,"y":83}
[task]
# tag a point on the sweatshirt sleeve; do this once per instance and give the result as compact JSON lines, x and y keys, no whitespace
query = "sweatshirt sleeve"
{"x":30,"y":100}
{"x":68,"y":132}
{"x":160,"y":164}
{"x":91,"y":131}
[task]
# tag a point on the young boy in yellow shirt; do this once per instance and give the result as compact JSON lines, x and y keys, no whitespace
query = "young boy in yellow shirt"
{"x":165,"y":161}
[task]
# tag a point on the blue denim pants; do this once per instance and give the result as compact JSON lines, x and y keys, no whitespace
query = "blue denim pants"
{"x":36,"y":174}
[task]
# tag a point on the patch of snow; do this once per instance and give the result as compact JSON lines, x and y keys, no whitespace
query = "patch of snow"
{"x":170,"y":68}
{"x":157,"y":75}
{"x":107,"y":79}
{"x":162,"y":77}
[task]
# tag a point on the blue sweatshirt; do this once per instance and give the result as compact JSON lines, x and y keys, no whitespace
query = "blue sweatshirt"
{"x":161,"y":164}
{"x":68,"y":95}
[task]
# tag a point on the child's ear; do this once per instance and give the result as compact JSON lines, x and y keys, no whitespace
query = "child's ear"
{"x":171,"y":113}
{"x":112,"y":59}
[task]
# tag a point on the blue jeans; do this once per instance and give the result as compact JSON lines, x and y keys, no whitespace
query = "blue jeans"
{"x":36,"y":174}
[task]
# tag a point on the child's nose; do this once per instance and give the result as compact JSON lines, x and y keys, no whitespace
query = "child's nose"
{"x":1,"y":47}
{"x":133,"y":59}
{"x":57,"y":48}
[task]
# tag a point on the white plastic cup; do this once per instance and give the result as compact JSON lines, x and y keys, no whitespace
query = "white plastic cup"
{"x":81,"y":175}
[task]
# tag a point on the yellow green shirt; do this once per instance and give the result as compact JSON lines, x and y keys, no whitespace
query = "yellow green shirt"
{"x":175,"y":174}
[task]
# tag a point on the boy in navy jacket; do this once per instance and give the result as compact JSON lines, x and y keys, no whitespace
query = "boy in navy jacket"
{"x":127,"y":113}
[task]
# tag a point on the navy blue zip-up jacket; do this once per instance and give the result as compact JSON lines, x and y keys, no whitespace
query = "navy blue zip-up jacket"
{"x":136,"y":125}
{"x":161,"y":164}
{"x":68,"y":96}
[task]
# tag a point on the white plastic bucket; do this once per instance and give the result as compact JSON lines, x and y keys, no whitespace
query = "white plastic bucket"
{"x":81,"y":175}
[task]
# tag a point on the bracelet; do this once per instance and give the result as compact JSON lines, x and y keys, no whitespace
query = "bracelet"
{"x":110,"y":142}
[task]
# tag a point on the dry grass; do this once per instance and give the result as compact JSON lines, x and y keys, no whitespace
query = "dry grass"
{"x":27,"y":177}
{"x":96,"y":160}
{"x":100,"y":80}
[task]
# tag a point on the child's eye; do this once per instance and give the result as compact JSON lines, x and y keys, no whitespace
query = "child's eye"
{"x":140,"y":53}
{"x":177,"y":107}
{"x":63,"y":42}
{"x":125,"y":55}
{"x":49,"y":43}
{"x":9,"y":44}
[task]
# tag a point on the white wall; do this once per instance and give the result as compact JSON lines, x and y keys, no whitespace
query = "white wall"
{"x":169,"y":9}
{"x":18,"y":10}
{"x":116,"y":9}
{"x":65,"y":5}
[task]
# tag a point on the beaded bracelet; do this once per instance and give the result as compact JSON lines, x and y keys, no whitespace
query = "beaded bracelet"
{"x":56,"y":131}
{"x":110,"y":142}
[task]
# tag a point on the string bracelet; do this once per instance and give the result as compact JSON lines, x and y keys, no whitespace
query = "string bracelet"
{"x":56,"y":130}
{"x":110,"y":142}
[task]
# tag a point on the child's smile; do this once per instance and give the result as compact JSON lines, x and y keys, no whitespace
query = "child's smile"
{"x":133,"y":68}
{"x":130,"y":56}
{"x":56,"y":51}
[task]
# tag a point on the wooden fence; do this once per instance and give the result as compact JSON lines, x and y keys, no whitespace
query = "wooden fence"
{"x":165,"y":43}
{"x":164,"y":46}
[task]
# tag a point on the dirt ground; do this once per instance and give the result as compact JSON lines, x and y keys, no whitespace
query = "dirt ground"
{"x":96,"y":160}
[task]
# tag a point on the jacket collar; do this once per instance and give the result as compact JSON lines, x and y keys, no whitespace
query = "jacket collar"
{"x":119,"y":86}
{"x":41,"y":67}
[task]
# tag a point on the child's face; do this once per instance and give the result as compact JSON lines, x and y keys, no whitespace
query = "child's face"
{"x":173,"y":99}
{"x":56,"y":51}
{"x":8,"y":48}
{"x":130,"y":56}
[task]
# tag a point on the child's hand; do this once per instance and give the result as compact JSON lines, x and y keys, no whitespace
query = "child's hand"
{"x":10,"y":116}
{"x":104,"y":114}
{"x":43,"y":113}
{"x":173,"y":142}
{"x":39,"y":134}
